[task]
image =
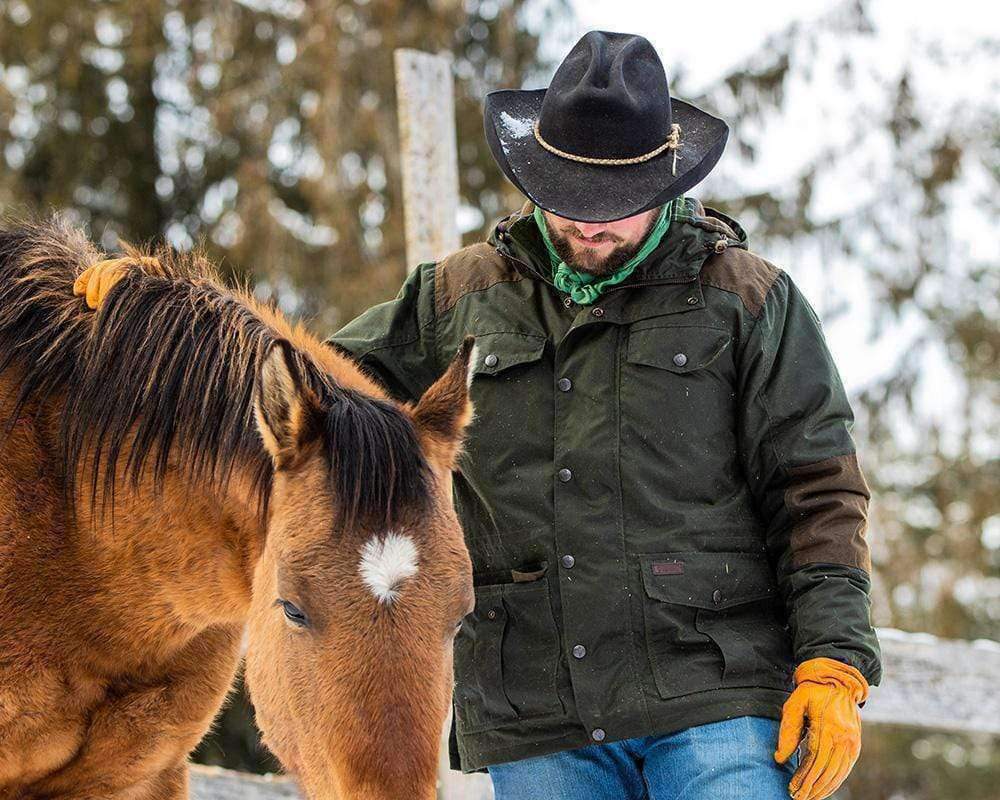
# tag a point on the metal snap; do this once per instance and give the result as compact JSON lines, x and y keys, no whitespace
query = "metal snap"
{"x":568,"y":561}
{"x":579,"y":651}
{"x":564,"y":384}
{"x":491,"y":614}
{"x":598,"y":312}
{"x":491,"y":360}
{"x":717,"y":596}
{"x":597,"y":734}
{"x":720,"y":245}
{"x":565,"y":475}
{"x":680,"y":359}
{"x":568,"y":302}
{"x":692,"y":301}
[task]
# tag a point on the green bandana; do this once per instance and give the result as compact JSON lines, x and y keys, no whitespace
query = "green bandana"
{"x":585,"y":288}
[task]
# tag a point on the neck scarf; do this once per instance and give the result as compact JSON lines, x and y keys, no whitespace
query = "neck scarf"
{"x":585,"y":288}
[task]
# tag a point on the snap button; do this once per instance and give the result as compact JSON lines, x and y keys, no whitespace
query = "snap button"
{"x":491,"y":360}
{"x":598,"y":312}
{"x":564,"y":384}
{"x":568,"y":562}
{"x":597,"y":734}
{"x":680,"y":359}
{"x":717,"y":596}
{"x":692,"y":301}
{"x":491,"y":614}
{"x":567,"y":301}
{"x":720,"y":245}
{"x":565,"y":475}
{"x":579,"y":651}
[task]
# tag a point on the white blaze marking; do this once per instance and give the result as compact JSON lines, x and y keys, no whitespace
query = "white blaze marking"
{"x":386,"y":563}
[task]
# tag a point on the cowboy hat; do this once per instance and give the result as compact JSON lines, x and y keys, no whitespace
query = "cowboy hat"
{"x":605,"y":140}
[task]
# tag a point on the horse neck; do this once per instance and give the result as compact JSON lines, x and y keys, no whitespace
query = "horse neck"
{"x":168,"y":562}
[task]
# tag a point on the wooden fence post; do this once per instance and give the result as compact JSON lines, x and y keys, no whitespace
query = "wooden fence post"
{"x":425,"y":98}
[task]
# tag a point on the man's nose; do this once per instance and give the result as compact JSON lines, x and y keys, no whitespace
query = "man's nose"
{"x":589,"y":229}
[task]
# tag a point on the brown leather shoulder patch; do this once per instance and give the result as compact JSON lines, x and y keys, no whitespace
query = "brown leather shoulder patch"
{"x":471,"y":269}
{"x":828,"y":504}
{"x":743,"y":273}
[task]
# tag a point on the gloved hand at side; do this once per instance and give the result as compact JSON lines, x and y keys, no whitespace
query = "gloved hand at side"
{"x":825,"y":702}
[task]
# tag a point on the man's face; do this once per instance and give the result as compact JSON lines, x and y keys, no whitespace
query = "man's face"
{"x":599,"y":247}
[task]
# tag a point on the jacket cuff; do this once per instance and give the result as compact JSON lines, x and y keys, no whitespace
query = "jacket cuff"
{"x":831,"y":672}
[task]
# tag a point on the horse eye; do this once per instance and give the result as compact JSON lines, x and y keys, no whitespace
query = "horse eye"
{"x":293,"y":613}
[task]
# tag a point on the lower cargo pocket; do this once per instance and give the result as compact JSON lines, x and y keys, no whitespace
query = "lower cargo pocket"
{"x":507,"y":657}
{"x":714,"y":620}
{"x":755,"y":643}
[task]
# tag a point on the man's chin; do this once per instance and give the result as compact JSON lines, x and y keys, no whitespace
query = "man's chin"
{"x":592,"y":264}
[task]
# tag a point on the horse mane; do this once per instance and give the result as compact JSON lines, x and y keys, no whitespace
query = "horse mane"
{"x":170,"y":360}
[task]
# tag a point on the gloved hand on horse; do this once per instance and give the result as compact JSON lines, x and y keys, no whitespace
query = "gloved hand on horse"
{"x":96,"y":281}
{"x":827,"y":694}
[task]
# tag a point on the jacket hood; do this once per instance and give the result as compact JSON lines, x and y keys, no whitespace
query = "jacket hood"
{"x":696,"y":231}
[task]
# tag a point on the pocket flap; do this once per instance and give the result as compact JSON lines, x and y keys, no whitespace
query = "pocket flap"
{"x":708,"y":580}
{"x":496,"y":352}
{"x":678,"y":349}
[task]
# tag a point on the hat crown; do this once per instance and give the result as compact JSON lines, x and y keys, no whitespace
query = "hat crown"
{"x":609,"y":98}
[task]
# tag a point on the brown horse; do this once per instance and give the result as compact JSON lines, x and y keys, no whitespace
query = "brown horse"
{"x":183,"y":466}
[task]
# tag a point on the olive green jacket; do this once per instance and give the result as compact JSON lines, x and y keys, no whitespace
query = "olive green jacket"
{"x":660,"y":491}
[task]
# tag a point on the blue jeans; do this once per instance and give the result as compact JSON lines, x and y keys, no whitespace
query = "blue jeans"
{"x":728,"y":760}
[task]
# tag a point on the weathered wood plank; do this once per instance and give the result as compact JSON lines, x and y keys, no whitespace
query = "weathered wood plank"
{"x":213,"y":783}
{"x":945,"y":684}
{"x":429,"y":155}
{"x":425,"y":100}
{"x":941,"y":684}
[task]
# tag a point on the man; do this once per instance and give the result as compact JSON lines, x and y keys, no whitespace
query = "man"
{"x":660,"y":492}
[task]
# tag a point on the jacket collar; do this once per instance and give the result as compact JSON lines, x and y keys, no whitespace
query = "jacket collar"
{"x":695,"y":232}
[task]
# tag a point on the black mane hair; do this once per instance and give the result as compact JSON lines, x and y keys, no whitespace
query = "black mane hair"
{"x":169,"y":362}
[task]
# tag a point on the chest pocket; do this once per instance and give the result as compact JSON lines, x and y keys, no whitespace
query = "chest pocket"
{"x":680,"y":350}
{"x":679,"y":416}
{"x":496,"y":353}
{"x":511,"y":432}
{"x":505,"y":381}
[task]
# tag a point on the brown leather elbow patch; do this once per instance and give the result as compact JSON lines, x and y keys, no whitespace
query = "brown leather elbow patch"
{"x":828,"y":504}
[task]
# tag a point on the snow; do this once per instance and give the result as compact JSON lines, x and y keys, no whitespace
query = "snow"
{"x":515,"y":126}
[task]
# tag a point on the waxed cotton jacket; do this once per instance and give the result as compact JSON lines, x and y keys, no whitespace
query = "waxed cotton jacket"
{"x":659,"y":492}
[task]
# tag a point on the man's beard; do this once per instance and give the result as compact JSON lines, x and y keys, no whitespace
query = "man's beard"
{"x":591,"y":263}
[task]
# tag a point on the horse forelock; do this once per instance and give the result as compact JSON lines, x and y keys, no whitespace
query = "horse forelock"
{"x":170,"y":359}
{"x":378,"y":472}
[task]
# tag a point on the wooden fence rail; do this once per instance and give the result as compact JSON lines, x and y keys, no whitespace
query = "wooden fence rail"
{"x":940,"y":684}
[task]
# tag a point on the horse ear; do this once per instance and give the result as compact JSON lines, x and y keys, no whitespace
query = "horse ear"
{"x":281,"y":399}
{"x":445,"y":410}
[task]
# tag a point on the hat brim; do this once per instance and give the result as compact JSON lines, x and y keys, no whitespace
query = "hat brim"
{"x":596,"y":192}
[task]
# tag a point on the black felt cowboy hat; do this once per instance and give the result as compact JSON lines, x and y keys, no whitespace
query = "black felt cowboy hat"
{"x":605,"y":140}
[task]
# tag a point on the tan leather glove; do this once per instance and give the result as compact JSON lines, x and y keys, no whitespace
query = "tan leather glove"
{"x":95,"y":282}
{"x":827,"y":693}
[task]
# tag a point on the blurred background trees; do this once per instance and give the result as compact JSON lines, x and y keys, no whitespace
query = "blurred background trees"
{"x":264,"y":131}
{"x":863,"y":158}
